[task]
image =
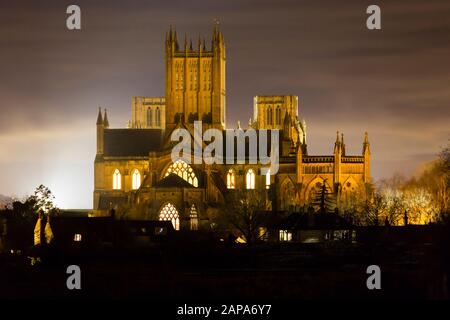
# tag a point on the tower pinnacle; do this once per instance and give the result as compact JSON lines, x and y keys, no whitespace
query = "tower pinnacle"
{"x":105,"y":120}
{"x":366,"y":144}
{"x":99,"y":117}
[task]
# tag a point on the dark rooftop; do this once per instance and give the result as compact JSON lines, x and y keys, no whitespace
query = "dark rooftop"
{"x":172,"y":180}
{"x":131,"y":142}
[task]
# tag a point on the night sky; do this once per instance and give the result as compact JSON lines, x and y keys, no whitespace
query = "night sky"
{"x":393,"y":83}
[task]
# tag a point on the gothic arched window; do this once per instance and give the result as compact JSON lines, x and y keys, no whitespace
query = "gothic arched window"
{"x":231,"y":179}
{"x":117,"y":183}
{"x":269,"y":115}
{"x":250,"y":179}
{"x":184,"y":171}
{"x":268,"y":179}
{"x":136,"y":179}
{"x":158,"y":117}
{"x":278,"y":116}
{"x":170,"y":213}
{"x":149,"y":117}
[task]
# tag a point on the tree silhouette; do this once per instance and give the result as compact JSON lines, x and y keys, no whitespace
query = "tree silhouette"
{"x":244,"y":211}
{"x":323,"y":198}
{"x":43,"y":199}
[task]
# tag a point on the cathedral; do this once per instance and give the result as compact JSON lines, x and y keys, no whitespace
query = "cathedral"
{"x":134,"y":173}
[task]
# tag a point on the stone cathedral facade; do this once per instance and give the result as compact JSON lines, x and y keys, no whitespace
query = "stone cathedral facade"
{"x":134,"y":173}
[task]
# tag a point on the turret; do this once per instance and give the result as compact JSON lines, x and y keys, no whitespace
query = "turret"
{"x":337,"y":160}
{"x":171,"y":41}
{"x":337,"y":144}
{"x":287,"y":126}
{"x":304,"y":144}
{"x":99,"y":117}
{"x":366,"y":144}
{"x":105,"y":121}
{"x":287,"y":137}
{"x":175,"y":41}
{"x":100,"y":131}
{"x":366,"y":155}
{"x":218,"y":83}
{"x":304,"y":131}
{"x":299,"y":163}
{"x":342,"y":145}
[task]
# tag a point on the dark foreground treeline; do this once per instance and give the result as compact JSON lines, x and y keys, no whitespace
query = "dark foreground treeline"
{"x":414,"y":263}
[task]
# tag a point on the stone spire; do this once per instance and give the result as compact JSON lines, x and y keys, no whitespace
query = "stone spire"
{"x":366,"y":155}
{"x":105,"y":120}
{"x":175,"y":39}
{"x":100,"y":131}
{"x":337,"y":144}
{"x":99,"y":117}
{"x":366,"y":144}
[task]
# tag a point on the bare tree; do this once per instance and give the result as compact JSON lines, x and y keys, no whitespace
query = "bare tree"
{"x":364,"y":209}
{"x":244,"y":211}
{"x":443,"y":192}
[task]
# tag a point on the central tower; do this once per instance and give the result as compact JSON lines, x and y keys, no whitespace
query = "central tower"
{"x":195,"y":81}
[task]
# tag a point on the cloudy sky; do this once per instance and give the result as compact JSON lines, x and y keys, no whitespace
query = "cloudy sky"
{"x":393,"y":83}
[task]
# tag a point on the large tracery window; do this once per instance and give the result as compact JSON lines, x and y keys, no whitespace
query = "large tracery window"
{"x":231,"y":179}
{"x":136,"y":179}
{"x":250,"y":179}
{"x":184,"y":171}
{"x":117,"y":183}
{"x":170,"y":213}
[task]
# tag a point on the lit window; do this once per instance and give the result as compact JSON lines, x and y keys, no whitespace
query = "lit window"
{"x":268,"y":179}
{"x":231,"y":179}
{"x":184,"y":171}
{"x":262,"y":234}
{"x":269,"y":115}
{"x":117,"y":183}
{"x":194,"y":218}
{"x":285,"y":235}
{"x":170,"y":213}
{"x":278,"y":115}
{"x":158,"y":117}
{"x":136,"y":179}
{"x":77,"y":237}
{"x":149,"y":117}
{"x":250,"y":179}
